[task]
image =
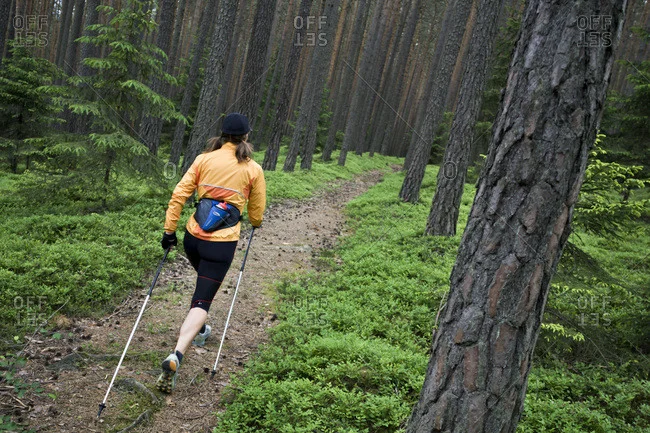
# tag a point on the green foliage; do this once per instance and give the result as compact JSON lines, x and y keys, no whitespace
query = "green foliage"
{"x":441,"y":138}
{"x":605,"y":206}
{"x":350,"y":350}
{"x":303,"y":183}
{"x":62,"y":247}
{"x":71,"y":245}
{"x":627,"y":117}
{"x":26,"y":111}
{"x":17,"y":387}
{"x":111,"y":100}
{"x":585,"y":398}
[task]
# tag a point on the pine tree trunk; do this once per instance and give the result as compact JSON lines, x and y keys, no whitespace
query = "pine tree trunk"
{"x":322,"y":58}
{"x":229,"y":74}
{"x":388,"y":112}
{"x":482,"y":351}
{"x":284,"y":92}
{"x":192,"y":76}
{"x":176,"y":38}
{"x":256,"y":60}
{"x":5,"y":16}
{"x":151,"y":127}
{"x":382,"y":44}
{"x":348,"y":66}
{"x":354,"y":128}
{"x":206,"y":113}
{"x":456,"y":76}
{"x":64,"y":31}
{"x":446,"y":52}
{"x":310,"y":102}
{"x":451,"y":177}
{"x":89,"y":50}
{"x":270,"y":95}
{"x":71,"y":66}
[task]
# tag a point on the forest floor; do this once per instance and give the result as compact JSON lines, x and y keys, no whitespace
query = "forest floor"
{"x":74,"y":368}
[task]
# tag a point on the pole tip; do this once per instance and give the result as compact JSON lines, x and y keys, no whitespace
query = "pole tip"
{"x":212,"y":374}
{"x":102,"y":406}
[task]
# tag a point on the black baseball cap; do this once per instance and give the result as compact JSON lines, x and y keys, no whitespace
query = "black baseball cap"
{"x":235,"y":124}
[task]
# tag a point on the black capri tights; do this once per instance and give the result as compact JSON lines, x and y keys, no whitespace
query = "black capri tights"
{"x":211,"y":260}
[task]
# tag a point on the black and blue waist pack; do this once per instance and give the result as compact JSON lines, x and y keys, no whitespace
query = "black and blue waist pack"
{"x":212,"y":215}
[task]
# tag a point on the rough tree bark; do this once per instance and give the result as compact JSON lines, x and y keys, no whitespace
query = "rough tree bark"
{"x":192,"y":76}
{"x":482,"y":351}
{"x":256,"y":60}
{"x":447,"y":48}
{"x":151,"y":127}
{"x":284,"y":92}
{"x":451,"y":177}
{"x":206,"y":113}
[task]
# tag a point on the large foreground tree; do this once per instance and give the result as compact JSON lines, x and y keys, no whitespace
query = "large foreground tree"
{"x":520,"y":221}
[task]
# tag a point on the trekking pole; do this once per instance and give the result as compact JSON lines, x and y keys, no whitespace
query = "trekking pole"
{"x":102,"y":405}
{"x":223,"y":336}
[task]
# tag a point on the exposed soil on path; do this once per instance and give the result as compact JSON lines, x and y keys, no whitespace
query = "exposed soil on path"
{"x":77,"y":366}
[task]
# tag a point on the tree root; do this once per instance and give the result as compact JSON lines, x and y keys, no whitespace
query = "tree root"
{"x":144,"y":416}
{"x":133,"y":385}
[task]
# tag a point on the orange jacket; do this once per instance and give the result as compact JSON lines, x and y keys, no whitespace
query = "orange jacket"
{"x":219,"y":176}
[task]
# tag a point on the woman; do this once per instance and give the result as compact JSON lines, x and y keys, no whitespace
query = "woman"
{"x":225,"y":173}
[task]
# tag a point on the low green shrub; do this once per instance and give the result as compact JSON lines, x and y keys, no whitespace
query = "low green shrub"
{"x":65,"y":246}
{"x":350,"y":350}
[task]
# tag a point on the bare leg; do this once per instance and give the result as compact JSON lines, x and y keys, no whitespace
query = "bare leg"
{"x":191,"y":326}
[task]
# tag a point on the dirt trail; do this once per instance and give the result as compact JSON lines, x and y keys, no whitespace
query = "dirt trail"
{"x":78,"y":366}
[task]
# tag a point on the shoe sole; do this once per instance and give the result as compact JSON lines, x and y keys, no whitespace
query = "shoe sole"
{"x":166,"y":381}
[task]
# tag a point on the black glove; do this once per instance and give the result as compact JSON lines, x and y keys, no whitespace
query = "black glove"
{"x":168,"y":241}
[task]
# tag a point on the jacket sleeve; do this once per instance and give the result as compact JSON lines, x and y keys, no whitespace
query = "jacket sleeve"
{"x":182,"y":192}
{"x":257,"y":199}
